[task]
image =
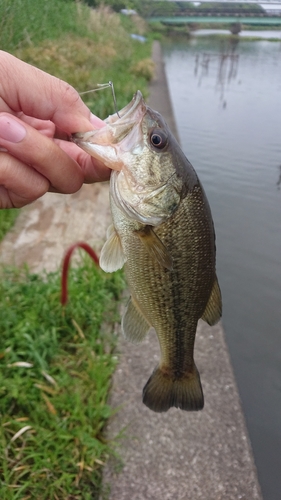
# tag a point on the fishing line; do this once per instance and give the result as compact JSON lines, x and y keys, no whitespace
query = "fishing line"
{"x":102,"y":86}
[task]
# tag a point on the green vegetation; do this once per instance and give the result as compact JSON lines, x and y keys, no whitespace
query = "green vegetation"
{"x":78,"y":44}
{"x":7,"y":219}
{"x":222,"y":7}
{"x":56,"y":366}
{"x":26,"y":22}
{"x":146,"y":8}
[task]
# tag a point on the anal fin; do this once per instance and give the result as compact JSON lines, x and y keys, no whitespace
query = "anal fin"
{"x":213,"y":310}
{"x":134,"y":324}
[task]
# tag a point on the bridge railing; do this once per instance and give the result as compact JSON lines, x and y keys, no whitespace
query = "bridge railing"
{"x":227,"y":13}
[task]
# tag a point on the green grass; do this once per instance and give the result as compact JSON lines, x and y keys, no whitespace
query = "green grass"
{"x":61,"y":398}
{"x":105,"y":53}
{"x":25,"y":22}
{"x":80,"y":45}
{"x":7,"y":219}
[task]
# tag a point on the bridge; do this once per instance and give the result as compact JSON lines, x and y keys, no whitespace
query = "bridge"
{"x":263,"y":13}
{"x":219,"y":18}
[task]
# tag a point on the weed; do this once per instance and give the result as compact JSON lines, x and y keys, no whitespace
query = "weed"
{"x":144,"y":68}
{"x":56,"y":367}
{"x":7,"y":219}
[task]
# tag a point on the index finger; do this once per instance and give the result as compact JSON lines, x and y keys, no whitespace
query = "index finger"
{"x":26,"y":88}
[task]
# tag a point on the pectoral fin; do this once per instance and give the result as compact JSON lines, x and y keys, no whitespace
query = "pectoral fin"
{"x":213,"y":309}
{"x":155,"y":247}
{"x":134,"y":324}
{"x":112,"y":256}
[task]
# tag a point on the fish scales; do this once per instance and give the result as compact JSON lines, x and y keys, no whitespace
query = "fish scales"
{"x":165,"y":297}
{"x":163,"y":233}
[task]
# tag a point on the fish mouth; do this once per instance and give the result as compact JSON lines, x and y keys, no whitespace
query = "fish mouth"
{"x":128,"y":110}
{"x":123,"y":118}
{"x":103,"y":143}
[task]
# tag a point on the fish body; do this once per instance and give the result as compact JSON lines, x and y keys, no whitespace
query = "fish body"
{"x":163,"y":234}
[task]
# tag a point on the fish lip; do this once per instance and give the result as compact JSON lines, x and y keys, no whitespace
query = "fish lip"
{"x":123,"y":115}
{"x":128,"y":110}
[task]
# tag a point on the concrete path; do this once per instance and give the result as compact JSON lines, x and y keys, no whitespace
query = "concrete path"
{"x":177,"y":455}
{"x":180,"y":455}
{"x":45,"y":229}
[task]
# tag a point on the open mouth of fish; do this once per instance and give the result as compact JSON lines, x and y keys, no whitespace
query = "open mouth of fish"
{"x":129,"y":110}
{"x":123,"y":145}
{"x":105,"y":143}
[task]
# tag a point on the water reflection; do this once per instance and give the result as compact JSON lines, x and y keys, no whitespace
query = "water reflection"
{"x":227,"y":60}
{"x":278,"y":183}
{"x":228,"y":67}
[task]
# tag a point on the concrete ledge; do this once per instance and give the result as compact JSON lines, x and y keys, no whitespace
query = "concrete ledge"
{"x":46,"y":228}
{"x":180,"y":455}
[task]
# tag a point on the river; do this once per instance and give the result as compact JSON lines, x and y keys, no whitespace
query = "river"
{"x":226,"y":98}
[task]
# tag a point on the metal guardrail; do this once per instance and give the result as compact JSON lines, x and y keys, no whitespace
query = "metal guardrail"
{"x":227,"y":18}
{"x":237,"y":13}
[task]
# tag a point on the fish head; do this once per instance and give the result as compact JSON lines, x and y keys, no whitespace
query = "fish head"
{"x":148,"y":180}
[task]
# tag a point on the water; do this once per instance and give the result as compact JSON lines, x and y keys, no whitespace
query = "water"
{"x":227,"y":104}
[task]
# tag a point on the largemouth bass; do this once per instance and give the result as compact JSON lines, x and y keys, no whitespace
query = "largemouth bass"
{"x":163,"y":233}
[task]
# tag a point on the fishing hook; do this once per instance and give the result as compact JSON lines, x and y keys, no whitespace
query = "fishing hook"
{"x":102,"y":86}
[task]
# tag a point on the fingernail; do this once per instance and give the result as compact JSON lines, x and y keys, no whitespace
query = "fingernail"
{"x":11,"y":130}
{"x":96,"y":121}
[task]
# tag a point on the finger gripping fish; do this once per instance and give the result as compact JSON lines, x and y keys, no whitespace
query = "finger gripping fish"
{"x":163,"y":234}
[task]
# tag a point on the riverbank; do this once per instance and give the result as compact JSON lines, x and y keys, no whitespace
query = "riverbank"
{"x":179,"y":455}
{"x":206,"y":454}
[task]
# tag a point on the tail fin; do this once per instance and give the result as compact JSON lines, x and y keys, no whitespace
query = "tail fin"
{"x":161,"y":391}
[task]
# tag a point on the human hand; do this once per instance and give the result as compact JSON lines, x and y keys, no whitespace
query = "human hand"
{"x":38,"y":112}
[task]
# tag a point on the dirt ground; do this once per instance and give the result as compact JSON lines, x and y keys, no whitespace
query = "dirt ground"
{"x":45,"y":229}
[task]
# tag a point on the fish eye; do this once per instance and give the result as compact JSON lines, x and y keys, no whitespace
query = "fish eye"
{"x":158,"y":138}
